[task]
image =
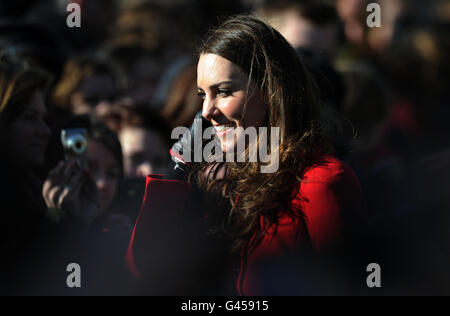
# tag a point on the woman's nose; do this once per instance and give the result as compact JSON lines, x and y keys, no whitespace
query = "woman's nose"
{"x":209,"y":109}
{"x":100,"y":181}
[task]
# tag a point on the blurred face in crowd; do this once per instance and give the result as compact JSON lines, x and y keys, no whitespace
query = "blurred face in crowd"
{"x":105,"y":171}
{"x":94,"y":96}
{"x":144,"y":76}
{"x":29,"y":134}
{"x":300,"y":32}
{"x":351,"y":13}
{"x":223,"y":87}
{"x":145,"y":152}
{"x":349,"y":9}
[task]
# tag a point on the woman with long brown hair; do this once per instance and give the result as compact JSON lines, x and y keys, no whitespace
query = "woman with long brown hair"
{"x":249,"y":76}
{"x":24,"y":136}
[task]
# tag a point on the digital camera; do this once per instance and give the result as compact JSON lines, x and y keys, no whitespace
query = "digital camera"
{"x":75,"y":143}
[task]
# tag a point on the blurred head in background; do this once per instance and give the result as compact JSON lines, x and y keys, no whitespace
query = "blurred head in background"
{"x":139,"y":42}
{"x":311,"y":25}
{"x":88,"y":86}
{"x":16,"y":9}
{"x":366,"y":103}
{"x":353,"y":15}
{"x":418,"y":68}
{"x":34,"y":43}
{"x":144,"y":136}
{"x":182,"y":103}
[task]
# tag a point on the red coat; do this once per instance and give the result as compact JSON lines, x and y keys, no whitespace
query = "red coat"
{"x":329,"y":199}
{"x":329,"y":203}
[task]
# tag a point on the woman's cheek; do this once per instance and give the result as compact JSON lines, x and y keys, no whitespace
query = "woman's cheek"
{"x":232,"y":108}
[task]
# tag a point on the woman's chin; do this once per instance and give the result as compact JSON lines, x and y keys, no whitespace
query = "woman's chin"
{"x":227,"y":147}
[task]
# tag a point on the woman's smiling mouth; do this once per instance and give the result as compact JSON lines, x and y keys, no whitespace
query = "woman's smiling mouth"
{"x":223,"y":129}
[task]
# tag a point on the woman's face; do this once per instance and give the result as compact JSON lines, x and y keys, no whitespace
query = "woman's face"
{"x":223,"y":87}
{"x":29,"y":134}
{"x":105,"y":171}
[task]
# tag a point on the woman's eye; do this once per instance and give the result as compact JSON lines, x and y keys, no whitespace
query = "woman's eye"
{"x":201,"y":94}
{"x":224,"y":92}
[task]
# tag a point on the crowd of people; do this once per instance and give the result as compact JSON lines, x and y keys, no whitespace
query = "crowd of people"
{"x":364,"y":153}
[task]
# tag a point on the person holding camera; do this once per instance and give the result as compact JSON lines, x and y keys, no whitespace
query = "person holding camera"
{"x":79,"y":193}
{"x":85,"y":184}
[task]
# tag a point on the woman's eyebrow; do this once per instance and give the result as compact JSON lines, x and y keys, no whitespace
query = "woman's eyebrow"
{"x":219,"y":84}
{"x":223,"y":82}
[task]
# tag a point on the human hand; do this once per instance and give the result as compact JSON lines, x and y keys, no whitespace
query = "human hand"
{"x":71,"y":190}
{"x":183,"y":151}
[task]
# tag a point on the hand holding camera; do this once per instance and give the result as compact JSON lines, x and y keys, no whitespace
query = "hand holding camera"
{"x":69,"y":188}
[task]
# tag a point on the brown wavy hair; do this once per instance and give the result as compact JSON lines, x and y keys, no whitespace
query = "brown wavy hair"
{"x":18,"y":83}
{"x":294,"y":106}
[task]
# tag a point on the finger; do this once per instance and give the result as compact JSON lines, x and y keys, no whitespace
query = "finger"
{"x":53,"y":175}
{"x":54,"y":186}
{"x":47,"y":199}
{"x":46,"y":188}
{"x":53,"y":195}
{"x":69,"y":195}
{"x":71,"y":190}
{"x":62,"y":201}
